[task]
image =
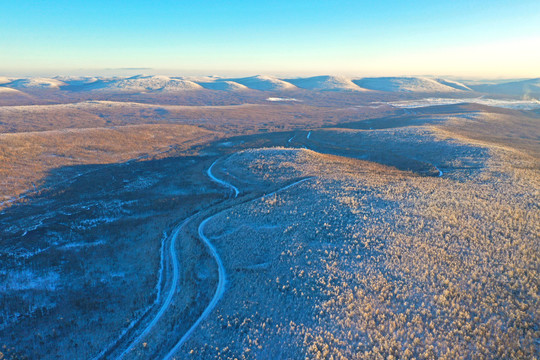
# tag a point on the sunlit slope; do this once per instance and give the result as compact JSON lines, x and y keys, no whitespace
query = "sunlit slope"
{"x":411,"y":84}
{"x":264,"y":83}
{"x":32,"y":160}
{"x":326,"y":83}
{"x":359,"y":261}
{"x":524,"y":88}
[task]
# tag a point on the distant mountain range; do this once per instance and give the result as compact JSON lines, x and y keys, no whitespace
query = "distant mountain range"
{"x":529,"y":87}
{"x":158,"y":83}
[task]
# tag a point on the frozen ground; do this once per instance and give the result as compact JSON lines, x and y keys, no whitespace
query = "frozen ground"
{"x":218,"y":224}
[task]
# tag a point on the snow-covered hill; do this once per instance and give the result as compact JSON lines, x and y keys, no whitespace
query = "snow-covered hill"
{"x":7,"y":90}
{"x":77,"y":80}
{"x":264,"y":83}
{"x":10,"y":94}
{"x":141,"y":83}
{"x":410,"y":84}
{"x":223,"y":85}
{"x":529,"y":87}
{"x":36,"y":83}
{"x":158,"y":83}
{"x":5,"y":80}
{"x":325,"y":83}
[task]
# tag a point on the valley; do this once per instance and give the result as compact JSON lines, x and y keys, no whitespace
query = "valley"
{"x":164,"y":217}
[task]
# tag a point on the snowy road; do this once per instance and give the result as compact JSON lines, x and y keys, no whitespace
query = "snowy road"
{"x":221,"y":182}
{"x":170,"y":293}
{"x":220,"y":289}
{"x":174,"y":260}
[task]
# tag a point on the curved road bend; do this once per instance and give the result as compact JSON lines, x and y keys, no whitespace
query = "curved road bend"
{"x":221,"y":182}
{"x":174,"y":260}
{"x":170,"y":293}
{"x":221,"y":269}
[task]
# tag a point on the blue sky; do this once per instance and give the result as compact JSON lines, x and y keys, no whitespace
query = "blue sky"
{"x":462,"y":38}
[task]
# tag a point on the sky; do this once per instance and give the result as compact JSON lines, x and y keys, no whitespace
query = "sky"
{"x":495,"y":38}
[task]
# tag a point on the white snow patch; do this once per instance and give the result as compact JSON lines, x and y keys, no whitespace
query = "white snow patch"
{"x":281,"y":99}
{"x":81,"y":244}
{"x":510,"y":104}
{"x":91,"y":223}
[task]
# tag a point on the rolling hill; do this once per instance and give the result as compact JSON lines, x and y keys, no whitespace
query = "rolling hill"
{"x":223,"y":85}
{"x":410,"y":84}
{"x":36,"y":83}
{"x":326,"y":83}
{"x":264,"y":83}
{"x":529,"y":87}
{"x":141,"y":83}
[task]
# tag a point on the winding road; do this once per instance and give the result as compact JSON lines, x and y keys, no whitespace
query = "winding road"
{"x":221,"y":182}
{"x":170,"y":292}
{"x":220,"y":289}
{"x":174,"y":260}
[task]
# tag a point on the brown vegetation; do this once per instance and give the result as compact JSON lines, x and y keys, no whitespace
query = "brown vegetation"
{"x":26,"y":159}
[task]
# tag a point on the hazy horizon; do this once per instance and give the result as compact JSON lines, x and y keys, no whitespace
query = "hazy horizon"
{"x":128,"y":72}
